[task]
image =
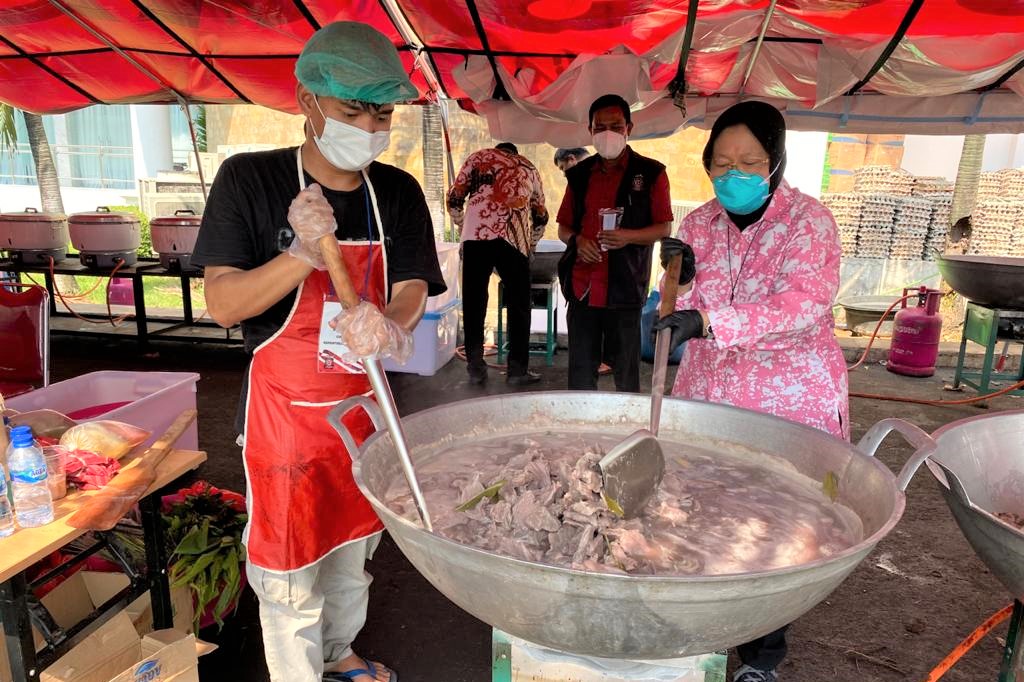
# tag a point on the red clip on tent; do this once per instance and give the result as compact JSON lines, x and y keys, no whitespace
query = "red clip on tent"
{"x":532,"y":66}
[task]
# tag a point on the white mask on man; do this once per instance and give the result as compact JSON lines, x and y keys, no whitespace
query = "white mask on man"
{"x":348,"y":147}
{"x":609,"y":144}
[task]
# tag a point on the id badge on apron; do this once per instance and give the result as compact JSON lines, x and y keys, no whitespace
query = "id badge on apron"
{"x":330,"y":356}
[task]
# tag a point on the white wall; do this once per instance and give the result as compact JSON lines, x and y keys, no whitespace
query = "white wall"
{"x":15,"y":198}
{"x":1003,"y":151}
{"x":931,"y":155}
{"x":805,"y":159}
{"x":940,"y":154}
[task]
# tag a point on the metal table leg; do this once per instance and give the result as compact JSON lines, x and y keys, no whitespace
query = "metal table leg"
{"x":21,"y":649}
{"x":139,"y":294}
{"x":186,"y":299}
{"x":156,"y":561}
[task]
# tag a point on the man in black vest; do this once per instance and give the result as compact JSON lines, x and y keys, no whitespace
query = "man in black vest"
{"x":615,"y":207}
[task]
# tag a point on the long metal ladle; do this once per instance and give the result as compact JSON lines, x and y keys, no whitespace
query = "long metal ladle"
{"x":384,"y":410}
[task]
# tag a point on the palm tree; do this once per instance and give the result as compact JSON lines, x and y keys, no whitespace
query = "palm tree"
{"x":42,"y":156}
{"x":46,"y":170}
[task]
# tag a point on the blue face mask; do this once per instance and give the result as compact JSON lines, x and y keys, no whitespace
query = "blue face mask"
{"x":741,"y":193}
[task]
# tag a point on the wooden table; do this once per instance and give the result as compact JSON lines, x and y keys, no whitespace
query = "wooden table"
{"x":28,"y":546}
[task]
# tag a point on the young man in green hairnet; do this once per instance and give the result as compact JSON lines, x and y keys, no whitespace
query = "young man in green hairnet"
{"x":310,"y":529}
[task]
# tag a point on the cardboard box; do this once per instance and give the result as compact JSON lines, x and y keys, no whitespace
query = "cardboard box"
{"x":76,"y":598}
{"x":116,"y":653}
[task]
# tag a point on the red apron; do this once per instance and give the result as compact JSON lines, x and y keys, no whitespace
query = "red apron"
{"x":303,"y":502}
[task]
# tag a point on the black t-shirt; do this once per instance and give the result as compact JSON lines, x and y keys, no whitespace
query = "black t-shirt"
{"x":248,"y":206}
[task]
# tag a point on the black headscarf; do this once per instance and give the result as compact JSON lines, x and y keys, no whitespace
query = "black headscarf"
{"x":766,"y":124}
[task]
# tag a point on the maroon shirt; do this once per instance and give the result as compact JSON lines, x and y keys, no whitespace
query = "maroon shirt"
{"x":601,"y":193}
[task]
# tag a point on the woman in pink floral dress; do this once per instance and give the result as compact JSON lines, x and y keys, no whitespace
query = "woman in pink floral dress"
{"x":761,"y":269}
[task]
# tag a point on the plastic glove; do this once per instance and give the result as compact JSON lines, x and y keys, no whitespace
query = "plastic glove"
{"x":367,"y":332}
{"x":685,"y":325}
{"x":311,"y":217}
{"x":671,"y":247}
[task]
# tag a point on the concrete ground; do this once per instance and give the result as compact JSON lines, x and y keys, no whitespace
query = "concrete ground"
{"x":897,"y":616}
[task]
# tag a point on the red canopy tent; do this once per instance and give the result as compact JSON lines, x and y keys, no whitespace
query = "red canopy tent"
{"x":533,"y":66}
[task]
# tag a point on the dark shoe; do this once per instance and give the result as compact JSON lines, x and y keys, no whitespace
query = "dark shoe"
{"x":522,"y":379}
{"x":477,"y":374}
{"x":748,"y":674}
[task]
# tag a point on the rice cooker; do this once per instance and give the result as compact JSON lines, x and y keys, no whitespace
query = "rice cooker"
{"x":105,"y":238}
{"x":174,"y":237}
{"x":33,"y":238}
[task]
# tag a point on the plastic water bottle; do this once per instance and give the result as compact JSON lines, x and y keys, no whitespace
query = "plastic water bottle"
{"x":32,"y":502}
{"x":6,"y":513}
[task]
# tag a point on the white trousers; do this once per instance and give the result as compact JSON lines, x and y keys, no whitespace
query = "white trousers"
{"x":311,"y":616}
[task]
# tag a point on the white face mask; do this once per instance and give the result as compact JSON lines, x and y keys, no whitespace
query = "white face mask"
{"x":348,"y":147}
{"x":609,"y":144}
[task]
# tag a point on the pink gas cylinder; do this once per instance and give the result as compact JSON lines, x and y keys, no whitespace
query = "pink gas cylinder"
{"x":915,"y":336}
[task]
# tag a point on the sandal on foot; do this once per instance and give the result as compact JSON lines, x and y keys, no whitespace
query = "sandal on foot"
{"x":350,"y":675}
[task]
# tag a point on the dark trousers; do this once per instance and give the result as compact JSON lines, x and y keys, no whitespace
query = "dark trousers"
{"x":608,"y":334}
{"x":764,"y":653}
{"x":479,"y":260}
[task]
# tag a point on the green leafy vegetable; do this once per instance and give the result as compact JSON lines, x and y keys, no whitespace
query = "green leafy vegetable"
{"x":490,"y":491}
{"x":830,"y":486}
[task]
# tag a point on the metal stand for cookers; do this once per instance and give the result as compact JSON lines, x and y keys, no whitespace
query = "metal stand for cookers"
{"x":511,"y":662}
{"x":982,"y":325}
{"x":1013,"y":655}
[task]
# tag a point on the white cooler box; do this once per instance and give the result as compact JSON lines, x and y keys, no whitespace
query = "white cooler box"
{"x":149,"y":400}
{"x":448,"y":258}
{"x":435,"y":338}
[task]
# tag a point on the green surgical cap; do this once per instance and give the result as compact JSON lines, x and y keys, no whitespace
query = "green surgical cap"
{"x":351,"y":60}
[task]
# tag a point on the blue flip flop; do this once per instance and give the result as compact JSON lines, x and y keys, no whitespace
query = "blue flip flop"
{"x":348,"y":675}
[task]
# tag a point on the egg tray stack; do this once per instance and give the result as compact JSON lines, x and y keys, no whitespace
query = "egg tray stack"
{"x":845,"y":209}
{"x":1003,"y":184}
{"x":938,"y":225}
{"x":874,"y":238}
{"x":910,"y":228}
{"x":883,"y":180}
{"x":1016,"y":249}
{"x":931,"y":185}
{"x":992,"y":226}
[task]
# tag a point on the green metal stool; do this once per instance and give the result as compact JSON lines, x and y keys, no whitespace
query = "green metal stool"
{"x":981,"y":325}
{"x":542,"y":297}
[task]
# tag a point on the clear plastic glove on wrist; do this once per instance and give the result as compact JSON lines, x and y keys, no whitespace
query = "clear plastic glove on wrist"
{"x":311,"y":217}
{"x":366,"y":332}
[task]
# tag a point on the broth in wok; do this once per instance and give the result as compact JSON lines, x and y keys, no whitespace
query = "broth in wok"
{"x":537,"y":497}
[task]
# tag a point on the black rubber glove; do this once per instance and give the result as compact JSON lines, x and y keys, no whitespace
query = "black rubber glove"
{"x":685,"y":325}
{"x":671,"y":247}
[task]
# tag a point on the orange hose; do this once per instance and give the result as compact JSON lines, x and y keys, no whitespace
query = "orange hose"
{"x":874,"y":334}
{"x":79,"y":295}
{"x":71,"y":310}
{"x":963,"y":647}
{"x":110,"y":313}
{"x":923,"y":401}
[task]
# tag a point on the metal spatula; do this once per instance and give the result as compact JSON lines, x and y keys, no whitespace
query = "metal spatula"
{"x":633,"y":469}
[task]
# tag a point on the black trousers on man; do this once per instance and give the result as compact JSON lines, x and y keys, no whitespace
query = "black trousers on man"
{"x":609,"y":334}
{"x":764,"y":653}
{"x":479,"y":260}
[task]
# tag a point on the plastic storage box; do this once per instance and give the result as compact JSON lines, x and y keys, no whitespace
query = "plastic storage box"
{"x":149,"y":400}
{"x":435,"y":341}
{"x":448,"y":257}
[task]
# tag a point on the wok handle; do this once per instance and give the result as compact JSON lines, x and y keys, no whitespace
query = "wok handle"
{"x":925,"y":446}
{"x":338,"y":413}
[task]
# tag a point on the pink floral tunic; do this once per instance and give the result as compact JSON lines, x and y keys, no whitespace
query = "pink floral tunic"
{"x":768,"y":292}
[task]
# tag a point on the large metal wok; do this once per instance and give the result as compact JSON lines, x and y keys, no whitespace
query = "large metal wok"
{"x":616,"y":616}
{"x":979,"y":466}
{"x":989,"y":280}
